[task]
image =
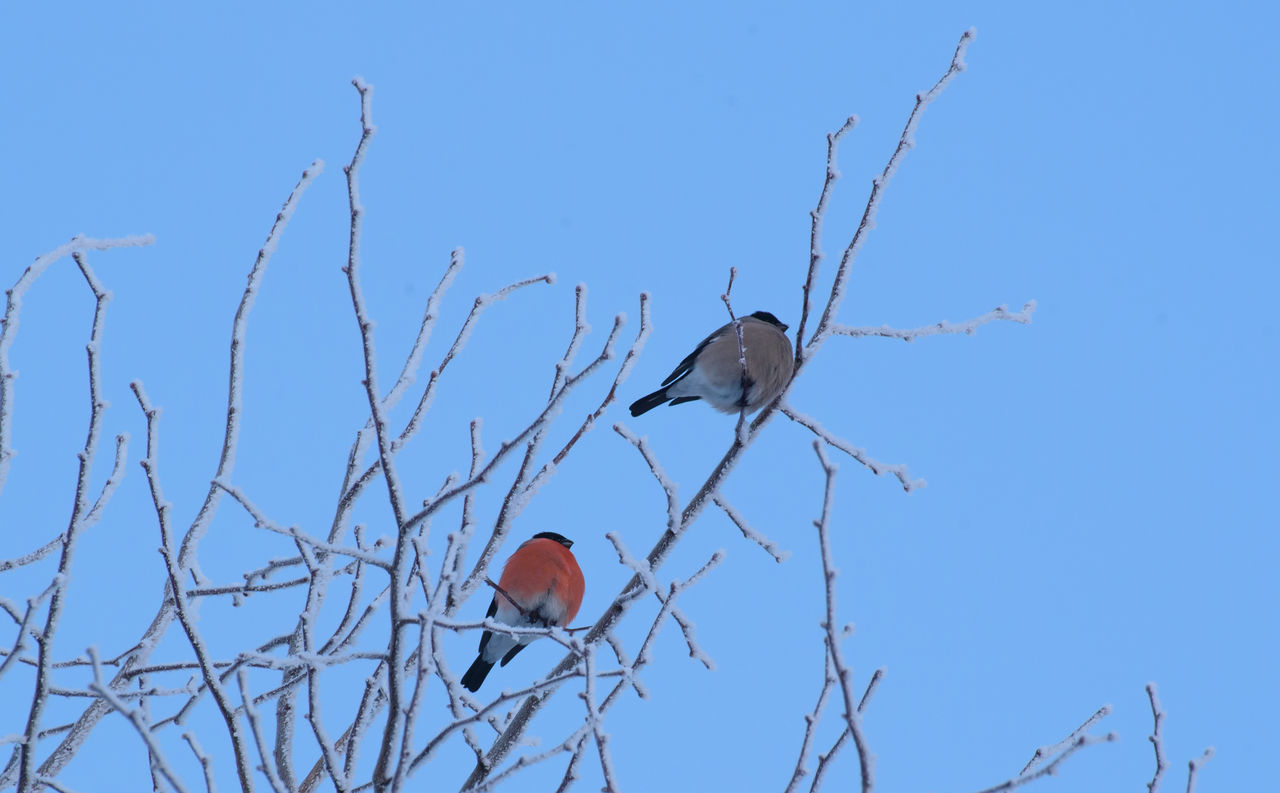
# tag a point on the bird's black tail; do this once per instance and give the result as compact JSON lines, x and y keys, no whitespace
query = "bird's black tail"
{"x":646,"y":403}
{"x":475,"y":676}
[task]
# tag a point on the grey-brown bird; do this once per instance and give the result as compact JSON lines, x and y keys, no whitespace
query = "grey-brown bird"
{"x":713,"y":371}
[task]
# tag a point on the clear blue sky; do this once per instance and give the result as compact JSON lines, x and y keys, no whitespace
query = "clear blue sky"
{"x":1101,"y":505}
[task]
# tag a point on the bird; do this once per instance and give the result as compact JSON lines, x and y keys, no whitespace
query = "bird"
{"x":713,"y":371}
{"x":544,"y":579}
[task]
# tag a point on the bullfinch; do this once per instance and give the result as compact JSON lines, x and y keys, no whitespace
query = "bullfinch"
{"x":545,"y":581}
{"x":713,"y":371}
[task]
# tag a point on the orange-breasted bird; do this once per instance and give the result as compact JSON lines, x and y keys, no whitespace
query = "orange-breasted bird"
{"x":713,"y":371}
{"x":546,"y":583}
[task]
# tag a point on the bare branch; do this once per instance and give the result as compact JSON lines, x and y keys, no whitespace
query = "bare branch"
{"x":226,"y":460}
{"x":764,"y":542}
{"x":206,"y":762}
{"x":595,"y":720}
{"x":1193,"y":768}
{"x":83,"y":515}
{"x":139,"y":723}
{"x":839,"y":668}
{"x":669,"y":487}
{"x":251,"y":713}
{"x":55,"y":784}
{"x":745,"y":380}
{"x":464,"y":335}
{"x":33,"y":556}
{"x":624,"y":371}
{"x":399,"y":563}
{"x":811,"y":721}
{"x":24,"y":627}
{"x":860,"y":455}
{"x":816,"y":218}
{"x":571,"y":770}
{"x":172,"y":566}
{"x":261,"y":521}
{"x":905,"y":142}
{"x":9,"y":325}
{"x":1045,"y":752}
{"x":1157,"y":740}
{"x":1052,"y":768}
{"x":968,"y":327}
{"x":520,"y":492}
{"x":141,"y":651}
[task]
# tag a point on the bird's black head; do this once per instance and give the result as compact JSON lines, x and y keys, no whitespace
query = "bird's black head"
{"x":765,"y":316}
{"x":551,"y":535}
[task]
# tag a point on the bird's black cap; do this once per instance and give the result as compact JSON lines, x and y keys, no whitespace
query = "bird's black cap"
{"x":765,"y":316}
{"x":551,"y":535}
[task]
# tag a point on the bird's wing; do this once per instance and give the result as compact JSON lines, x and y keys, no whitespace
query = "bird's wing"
{"x":687,"y":364}
{"x":484,"y":637}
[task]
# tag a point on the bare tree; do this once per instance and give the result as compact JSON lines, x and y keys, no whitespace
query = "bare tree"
{"x":380,"y":607}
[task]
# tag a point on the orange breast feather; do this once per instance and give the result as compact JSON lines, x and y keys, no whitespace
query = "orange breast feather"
{"x":544,"y":571}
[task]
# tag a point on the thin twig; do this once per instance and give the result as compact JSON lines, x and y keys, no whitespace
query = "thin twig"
{"x":172,"y":567}
{"x":9,"y":325}
{"x":1157,"y":740}
{"x":840,"y":669}
{"x":860,"y":455}
{"x":1045,"y":752}
{"x":764,"y":542}
{"x":816,"y":218}
{"x":1193,"y":768}
{"x":906,"y":141}
{"x":968,"y":327}
{"x":139,"y":723}
{"x":83,"y":515}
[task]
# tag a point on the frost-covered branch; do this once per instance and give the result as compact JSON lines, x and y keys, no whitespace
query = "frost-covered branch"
{"x":811,"y":722}
{"x":744,"y":381}
{"x":235,"y":391}
{"x":178,"y":593}
{"x":825,"y":759}
{"x":968,"y":327}
{"x":669,"y":487}
{"x":519,"y":494}
{"x":160,"y":624}
{"x":251,"y":713}
{"x":1057,"y":753}
{"x":261,"y":521}
{"x":206,"y":762}
{"x":816,"y":218}
{"x":32,"y":556}
{"x":1193,"y":768}
{"x":382,"y":434}
{"x":843,"y":674}
{"x":905,"y":143}
{"x":859,"y":454}
{"x":1045,"y":752}
{"x":83,"y":515}
{"x":9,"y":325}
{"x":595,"y":720}
{"x":1157,"y":743}
{"x":139,"y":723}
{"x":624,"y":371}
{"x":644,"y":572}
{"x":25,"y":630}
{"x":1156,"y":738}
{"x":764,"y":542}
